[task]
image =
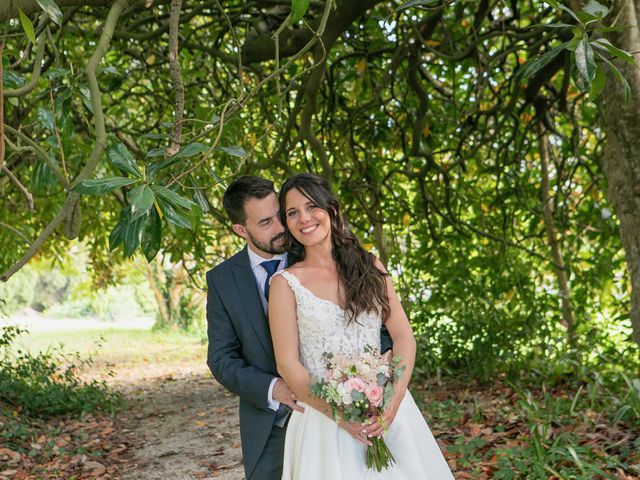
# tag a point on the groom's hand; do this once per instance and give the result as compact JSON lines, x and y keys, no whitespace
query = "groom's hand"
{"x":283,"y":394}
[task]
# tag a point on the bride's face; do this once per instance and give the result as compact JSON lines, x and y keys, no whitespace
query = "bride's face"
{"x":307,"y":222}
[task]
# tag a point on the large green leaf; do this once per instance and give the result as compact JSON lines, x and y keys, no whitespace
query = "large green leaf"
{"x":121,"y":158}
{"x":201,"y":199}
{"x":235,"y":151}
{"x":585,"y":65}
{"x":606,"y":45}
{"x":55,"y":72}
{"x":172,"y":215}
{"x":417,"y":3}
{"x":155,"y":152}
{"x":172,"y":197}
{"x":151,"y":235}
{"x":621,"y":79}
{"x":11,"y":79}
{"x":298,"y":9}
{"x":51,"y":9}
{"x":132,"y":234}
{"x":42,"y":178}
{"x":537,"y":63}
{"x":117,"y":234}
{"x":102,"y":185}
{"x":27,"y":26}
{"x":191,"y":150}
{"x":596,"y":9}
{"x":46,"y":118}
{"x":141,"y":200}
{"x":598,"y":84}
{"x":188,"y":151}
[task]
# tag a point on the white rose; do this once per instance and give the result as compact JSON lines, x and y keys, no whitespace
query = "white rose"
{"x":347,"y":399}
{"x":342,"y":391}
{"x":364,"y":368}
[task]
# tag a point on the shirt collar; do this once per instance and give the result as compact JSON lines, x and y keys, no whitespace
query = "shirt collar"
{"x":255,"y":260}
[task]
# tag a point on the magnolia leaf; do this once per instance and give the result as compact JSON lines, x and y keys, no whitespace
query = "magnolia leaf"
{"x":102,"y":185}
{"x":151,"y":235}
{"x":172,"y":197}
{"x":46,"y":118}
{"x":51,"y":9}
{"x":298,"y":9}
{"x":235,"y":151}
{"x":537,"y":63}
{"x":141,"y":199}
{"x":416,"y":3}
{"x":27,"y":26}
{"x":585,"y":65}
{"x":191,"y":150}
{"x":117,"y":234}
{"x":121,"y":158}
{"x":621,"y":79}
{"x":606,"y":45}
{"x":596,"y":9}
{"x":598,"y":84}
{"x":171,"y":214}
{"x":132,"y":234}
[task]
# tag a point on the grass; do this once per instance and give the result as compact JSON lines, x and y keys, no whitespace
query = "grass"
{"x":121,"y":347}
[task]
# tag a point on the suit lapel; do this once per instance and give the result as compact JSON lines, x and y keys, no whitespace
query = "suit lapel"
{"x":250,"y":298}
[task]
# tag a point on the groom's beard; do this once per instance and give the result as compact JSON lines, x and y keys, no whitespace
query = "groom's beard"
{"x":272,"y":247}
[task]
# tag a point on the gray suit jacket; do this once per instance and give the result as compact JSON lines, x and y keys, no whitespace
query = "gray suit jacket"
{"x":240,"y":352}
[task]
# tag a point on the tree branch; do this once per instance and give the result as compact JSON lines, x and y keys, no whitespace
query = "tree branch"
{"x":35,"y":76}
{"x":176,"y":77}
{"x":100,"y":144}
{"x":21,"y":187}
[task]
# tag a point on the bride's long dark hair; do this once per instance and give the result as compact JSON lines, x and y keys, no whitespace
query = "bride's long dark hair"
{"x":364,"y":284}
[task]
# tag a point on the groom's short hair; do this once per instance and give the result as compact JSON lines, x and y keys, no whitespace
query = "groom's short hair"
{"x":242,"y":189}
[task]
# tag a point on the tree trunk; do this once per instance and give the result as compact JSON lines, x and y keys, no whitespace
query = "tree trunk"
{"x":621,"y":164}
{"x":568,"y":317}
{"x":154,"y":280}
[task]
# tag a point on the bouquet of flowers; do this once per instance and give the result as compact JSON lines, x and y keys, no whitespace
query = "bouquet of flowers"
{"x":358,"y":388}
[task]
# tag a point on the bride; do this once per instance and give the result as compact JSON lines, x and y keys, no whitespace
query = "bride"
{"x":335,"y":299}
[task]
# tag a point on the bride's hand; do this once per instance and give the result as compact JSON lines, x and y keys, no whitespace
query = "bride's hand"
{"x":356,"y":431}
{"x":379,"y":425}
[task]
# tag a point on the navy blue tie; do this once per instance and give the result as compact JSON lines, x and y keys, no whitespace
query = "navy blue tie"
{"x":270,"y":266}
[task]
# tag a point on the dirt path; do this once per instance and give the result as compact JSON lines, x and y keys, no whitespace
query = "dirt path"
{"x":180,"y":426}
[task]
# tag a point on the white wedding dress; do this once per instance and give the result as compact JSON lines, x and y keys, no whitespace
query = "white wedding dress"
{"x":315,"y":447}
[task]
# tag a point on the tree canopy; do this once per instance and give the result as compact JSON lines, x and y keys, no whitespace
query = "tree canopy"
{"x":486,"y":150}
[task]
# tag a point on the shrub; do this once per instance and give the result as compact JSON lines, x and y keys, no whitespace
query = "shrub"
{"x":48,"y":383}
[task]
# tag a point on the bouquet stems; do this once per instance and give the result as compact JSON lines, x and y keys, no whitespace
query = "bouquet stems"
{"x":379,"y":456}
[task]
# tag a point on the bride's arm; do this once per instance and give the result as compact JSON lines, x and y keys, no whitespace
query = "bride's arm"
{"x":404,"y":346}
{"x":284,"y":334}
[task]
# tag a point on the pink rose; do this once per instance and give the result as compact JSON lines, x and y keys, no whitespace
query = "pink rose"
{"x":355,"y":384}
{"x":375,"y":394}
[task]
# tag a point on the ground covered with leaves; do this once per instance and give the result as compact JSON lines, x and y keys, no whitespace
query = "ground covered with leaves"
{"x":184,"y":425}
{"x":178,"y":423}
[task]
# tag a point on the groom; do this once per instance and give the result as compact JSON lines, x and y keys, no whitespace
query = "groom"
{"x":240,"y":352}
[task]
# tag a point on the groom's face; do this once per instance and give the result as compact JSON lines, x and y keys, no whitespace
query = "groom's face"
{"x":262,"y":230}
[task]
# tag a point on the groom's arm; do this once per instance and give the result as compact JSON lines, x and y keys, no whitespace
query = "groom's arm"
{"x":385,"y":340}
{"x":224,"y":356}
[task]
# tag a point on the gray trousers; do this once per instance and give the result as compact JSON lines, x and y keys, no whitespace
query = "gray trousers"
{"x":269,"y":466}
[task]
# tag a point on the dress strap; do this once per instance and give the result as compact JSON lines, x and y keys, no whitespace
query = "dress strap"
{"x":303,"y":296}
{"x":291,"y":279}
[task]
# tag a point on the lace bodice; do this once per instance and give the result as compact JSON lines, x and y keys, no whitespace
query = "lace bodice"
{"x":322,"y":327}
